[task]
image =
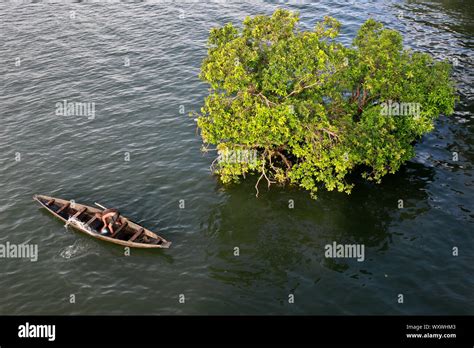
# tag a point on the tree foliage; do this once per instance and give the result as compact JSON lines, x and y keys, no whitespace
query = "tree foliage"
{"x":312,"y":109}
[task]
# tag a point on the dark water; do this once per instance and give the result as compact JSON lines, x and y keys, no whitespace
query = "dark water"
{"x":141,"y":109}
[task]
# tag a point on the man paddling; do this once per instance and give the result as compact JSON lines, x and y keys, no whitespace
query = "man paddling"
{"x":109,"y":217}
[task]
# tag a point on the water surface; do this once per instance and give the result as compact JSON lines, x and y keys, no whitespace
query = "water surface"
{"x":138,"y":62}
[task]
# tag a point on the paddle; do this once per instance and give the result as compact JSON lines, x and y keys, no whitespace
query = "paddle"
{"x":100,"y":205}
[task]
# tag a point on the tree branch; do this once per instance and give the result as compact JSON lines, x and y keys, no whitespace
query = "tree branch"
{"x":256,"y":185}
{"x":288,"y":164}
{"x":304,"y":87}
{"x":269,"y":182}
{"x":266,"y":99}
{"x":211,"y":167}
{"x":334,"y":135}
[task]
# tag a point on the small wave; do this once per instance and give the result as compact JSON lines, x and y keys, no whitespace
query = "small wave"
{"x":75,"y":250}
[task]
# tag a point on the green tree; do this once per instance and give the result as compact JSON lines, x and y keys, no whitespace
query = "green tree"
{"x":312,"y":109}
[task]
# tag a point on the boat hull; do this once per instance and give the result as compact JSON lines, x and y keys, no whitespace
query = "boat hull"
{"x":79,"y":217}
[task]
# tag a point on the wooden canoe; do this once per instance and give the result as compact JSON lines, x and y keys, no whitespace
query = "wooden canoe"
{"x":83,"y":218}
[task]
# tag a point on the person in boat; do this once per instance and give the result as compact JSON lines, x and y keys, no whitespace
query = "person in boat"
{"x":110,"y":218}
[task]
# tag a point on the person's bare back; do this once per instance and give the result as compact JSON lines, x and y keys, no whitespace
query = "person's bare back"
{"x":109,"y":218}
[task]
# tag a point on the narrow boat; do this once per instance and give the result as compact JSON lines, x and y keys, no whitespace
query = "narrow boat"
{"x":84,"y":219}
